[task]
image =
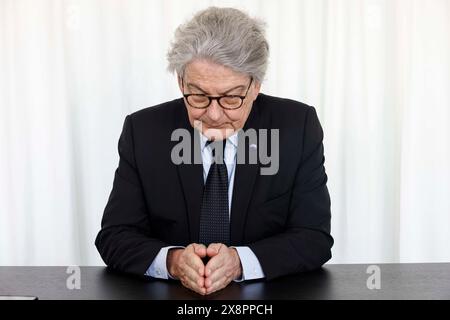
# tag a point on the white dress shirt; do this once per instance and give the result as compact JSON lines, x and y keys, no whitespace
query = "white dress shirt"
{"x":251,"y":268}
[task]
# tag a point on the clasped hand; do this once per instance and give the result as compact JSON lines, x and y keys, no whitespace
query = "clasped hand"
{"x":187,"y":265}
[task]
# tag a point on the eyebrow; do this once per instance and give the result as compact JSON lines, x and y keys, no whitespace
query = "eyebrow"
{"x":222,"y":93}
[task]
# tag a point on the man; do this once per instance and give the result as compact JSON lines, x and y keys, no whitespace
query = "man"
{"x":209,"y":222}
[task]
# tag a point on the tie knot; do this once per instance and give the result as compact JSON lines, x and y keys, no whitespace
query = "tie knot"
{"x":217,"y":145}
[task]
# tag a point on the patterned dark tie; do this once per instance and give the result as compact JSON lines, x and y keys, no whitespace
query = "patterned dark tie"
{"x":214,"y":216}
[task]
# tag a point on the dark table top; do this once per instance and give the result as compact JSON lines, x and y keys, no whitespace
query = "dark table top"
{"x":334,"y":281}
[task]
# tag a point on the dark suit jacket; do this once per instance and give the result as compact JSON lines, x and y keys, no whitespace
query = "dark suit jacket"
{"x":283,"y":218}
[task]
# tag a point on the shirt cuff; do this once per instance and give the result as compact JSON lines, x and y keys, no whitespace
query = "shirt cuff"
{"x":251,"y":268}
{"x":158,"y":268}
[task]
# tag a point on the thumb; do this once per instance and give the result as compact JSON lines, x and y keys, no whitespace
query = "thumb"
{"x":213,"y":249}
{"x":200,"y":250}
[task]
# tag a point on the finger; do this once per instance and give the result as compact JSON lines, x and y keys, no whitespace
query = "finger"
{"x":192,"y":275}
{"x":226,"y":270}
{"x":194,"y":261}
{"x":209,"y":281}
{"x":200,"y":250}
{"x":215,"y":276}
{"x":213,"y":264}
{"x":219,"y":284}
{"x":188,"y":283}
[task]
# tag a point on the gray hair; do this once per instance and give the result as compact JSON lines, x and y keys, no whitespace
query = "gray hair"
{"x":225,"y":36}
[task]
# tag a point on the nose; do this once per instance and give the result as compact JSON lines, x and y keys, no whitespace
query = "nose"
{"x":214,"y":111}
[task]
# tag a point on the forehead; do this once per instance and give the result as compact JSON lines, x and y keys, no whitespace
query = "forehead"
{"x":207,"y":73}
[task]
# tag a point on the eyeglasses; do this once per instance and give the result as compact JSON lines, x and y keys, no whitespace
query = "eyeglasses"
{"x":228,"y":102}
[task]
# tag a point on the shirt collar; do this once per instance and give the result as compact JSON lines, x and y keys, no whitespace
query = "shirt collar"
{"x":233,"y":140}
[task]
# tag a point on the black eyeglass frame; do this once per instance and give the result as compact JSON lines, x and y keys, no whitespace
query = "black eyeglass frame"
{"x":211,"y":98}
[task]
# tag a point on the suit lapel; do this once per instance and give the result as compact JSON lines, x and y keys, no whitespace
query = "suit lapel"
{"x":191,"y":179}
{"x":244,"y":181}
{"x":191,"y":176}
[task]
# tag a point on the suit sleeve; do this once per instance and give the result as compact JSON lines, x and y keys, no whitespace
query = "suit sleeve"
{"x":306,"y":242}
{"x":125,"y":240}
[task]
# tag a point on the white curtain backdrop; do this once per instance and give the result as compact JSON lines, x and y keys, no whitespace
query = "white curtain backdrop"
{"x":377,"y":71}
